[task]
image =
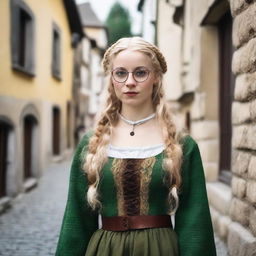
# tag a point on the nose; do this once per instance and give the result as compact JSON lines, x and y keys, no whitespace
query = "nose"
{"x":130,"y":82}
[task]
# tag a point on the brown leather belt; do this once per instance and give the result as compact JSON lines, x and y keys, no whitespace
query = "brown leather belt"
{"x":124,"y":223}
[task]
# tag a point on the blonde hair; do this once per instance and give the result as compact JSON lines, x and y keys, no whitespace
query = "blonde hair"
{"x":96,"y":155}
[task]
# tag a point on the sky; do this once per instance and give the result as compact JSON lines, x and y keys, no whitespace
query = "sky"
{"x":102,"y":8}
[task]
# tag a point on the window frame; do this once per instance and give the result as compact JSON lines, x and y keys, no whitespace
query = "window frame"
{"x":19,"y":8}
{"x":56,"y":52}
{"x":226,"y":94}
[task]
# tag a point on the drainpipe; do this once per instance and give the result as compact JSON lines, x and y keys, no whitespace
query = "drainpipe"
{"x":156,"y":22}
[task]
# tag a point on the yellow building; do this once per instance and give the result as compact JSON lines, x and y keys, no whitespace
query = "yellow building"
{"x":36,"y":110}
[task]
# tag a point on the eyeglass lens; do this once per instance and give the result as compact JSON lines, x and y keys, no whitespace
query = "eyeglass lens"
{"x":139,"y":74}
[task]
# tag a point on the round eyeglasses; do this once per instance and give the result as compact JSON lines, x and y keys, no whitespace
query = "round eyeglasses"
{"x":121,"y":75}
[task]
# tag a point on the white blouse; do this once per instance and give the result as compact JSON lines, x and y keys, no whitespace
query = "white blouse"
{"x":134,"y":152}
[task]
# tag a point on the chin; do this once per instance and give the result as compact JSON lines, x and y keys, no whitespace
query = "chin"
{"x":133,"y":102}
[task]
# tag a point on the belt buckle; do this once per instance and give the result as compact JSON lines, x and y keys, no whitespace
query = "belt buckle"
{"x":125,"y":223}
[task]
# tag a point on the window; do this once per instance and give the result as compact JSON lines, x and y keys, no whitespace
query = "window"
{"x":22,"y":37}
{"x":56,"y":131}
{"x":4,"y":133}
{"x":56,"y":72}
{"x":29,"y":138}
{"x":226,"y":91}
{"x":188,"y":121}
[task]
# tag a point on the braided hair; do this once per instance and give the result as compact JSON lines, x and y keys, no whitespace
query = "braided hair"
{"x":96,"y":156}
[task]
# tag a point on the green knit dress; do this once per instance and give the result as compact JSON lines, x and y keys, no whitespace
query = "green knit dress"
{"x":137,"y":187}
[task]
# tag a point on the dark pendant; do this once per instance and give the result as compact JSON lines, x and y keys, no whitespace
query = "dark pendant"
{"x":132,"y":133}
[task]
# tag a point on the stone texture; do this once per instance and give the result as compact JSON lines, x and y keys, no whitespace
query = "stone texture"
{"x":215,"y":216}
{"x":251,"y":141}
{"x":31,"y":226}
{"x":244,"y":26}
{"x":219,"y":196}
{"x":239,"y":211}
{"x":202,"y":130}
{"x":253,"y":110}
{"x":240,"y":136}
{"x":238,"y":187}
{"x":220,"y":224}
{"x":237,"y":6}
{"x":240,"y":241}
{"x":198,"y":106}
{"x":240,"y":112}
{"x":243,"y":112}
{"x":240,"y":162}
{"x":251,"y":191}
{"x":252,"y":220}
{"x":245,"y":87}
{"x":252,"y":168}
{"x":209,"y":150}
{"x":211,"y":171}
{"x":244,"y":59}
{"x":223,"y":224}
{"x":221,"y":248}
{"x":244,"y":137}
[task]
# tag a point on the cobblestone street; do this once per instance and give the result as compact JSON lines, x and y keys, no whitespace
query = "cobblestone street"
{"x":31,"y":226}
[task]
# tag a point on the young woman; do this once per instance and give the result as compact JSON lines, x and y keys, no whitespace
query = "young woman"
{"x":135,"y":170}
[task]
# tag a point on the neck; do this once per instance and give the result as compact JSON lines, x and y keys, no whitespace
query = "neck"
{"x":135,"y":114}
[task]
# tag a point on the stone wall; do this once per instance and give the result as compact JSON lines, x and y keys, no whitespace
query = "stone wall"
{"x":233,"y":207}
{"x":241,"y":239}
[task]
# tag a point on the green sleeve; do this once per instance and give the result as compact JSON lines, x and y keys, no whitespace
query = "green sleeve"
{"x":79,"y":222}
{"x":192,"y":220}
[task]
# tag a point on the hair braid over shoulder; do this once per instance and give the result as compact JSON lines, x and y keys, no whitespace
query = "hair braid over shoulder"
{"x":96,"y":155}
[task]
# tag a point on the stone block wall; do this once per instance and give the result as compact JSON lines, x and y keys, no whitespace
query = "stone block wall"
{"x":242,"y":232}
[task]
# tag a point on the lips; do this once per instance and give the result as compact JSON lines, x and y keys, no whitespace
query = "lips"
{"x":131,"y":93}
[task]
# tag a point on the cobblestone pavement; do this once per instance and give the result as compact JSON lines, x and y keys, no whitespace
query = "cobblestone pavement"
{"x":31,"y":227}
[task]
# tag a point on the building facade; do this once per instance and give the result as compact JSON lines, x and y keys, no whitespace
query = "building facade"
{"x":92,"y":80}
{"x":210,"y":49}
{"x":36,"y":108}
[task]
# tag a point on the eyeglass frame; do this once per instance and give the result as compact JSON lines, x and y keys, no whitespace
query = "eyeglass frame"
{"x":148,"y":70}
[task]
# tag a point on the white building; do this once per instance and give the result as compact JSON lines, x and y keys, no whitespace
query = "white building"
{"x":92,"y":77}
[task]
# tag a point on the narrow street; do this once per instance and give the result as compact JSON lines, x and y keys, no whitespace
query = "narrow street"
{"x":31,"y":226}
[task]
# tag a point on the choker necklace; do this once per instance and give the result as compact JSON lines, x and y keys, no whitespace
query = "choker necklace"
{"x":134,"y":123}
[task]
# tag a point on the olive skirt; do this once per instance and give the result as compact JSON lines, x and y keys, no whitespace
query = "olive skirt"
{"x":143,"y":242}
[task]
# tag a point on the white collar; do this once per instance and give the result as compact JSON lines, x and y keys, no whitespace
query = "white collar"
{"x":134,"y":152}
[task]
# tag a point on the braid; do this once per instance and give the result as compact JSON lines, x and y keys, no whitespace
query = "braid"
{"x":173,"y":154}
{"x":173,"y":151}
{"x":160,"y":58}
{"x":96,"y":156}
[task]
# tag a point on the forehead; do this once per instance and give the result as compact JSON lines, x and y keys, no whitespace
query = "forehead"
{"x":131,"y":59}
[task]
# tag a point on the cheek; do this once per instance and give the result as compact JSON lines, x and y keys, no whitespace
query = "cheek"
{"x":148,"y":87}
{"x":115,"y":84}
{"x":116,"y":88}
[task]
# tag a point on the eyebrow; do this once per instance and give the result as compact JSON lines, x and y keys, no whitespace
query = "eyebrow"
{"x":133,"y":69}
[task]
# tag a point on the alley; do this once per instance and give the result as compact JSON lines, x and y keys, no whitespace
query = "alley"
{"x":31,"y":226}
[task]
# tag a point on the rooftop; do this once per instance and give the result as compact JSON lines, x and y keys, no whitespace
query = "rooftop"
{"x":88,"y":16}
